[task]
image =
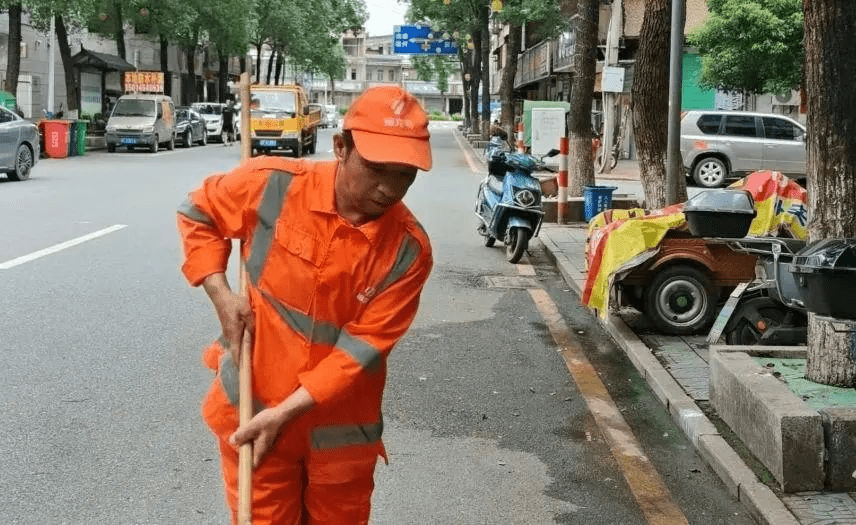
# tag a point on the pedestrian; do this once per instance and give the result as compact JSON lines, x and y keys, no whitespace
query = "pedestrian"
{"x":229,"y":122}
{"x":336,"y":264}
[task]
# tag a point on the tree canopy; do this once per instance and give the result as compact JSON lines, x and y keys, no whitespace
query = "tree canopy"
{"x":752,"y":45}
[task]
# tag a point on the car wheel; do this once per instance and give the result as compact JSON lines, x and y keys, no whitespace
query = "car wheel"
{"x":298,"y":150}
{"x":155,"y":144}
{"x":314,"y":143}
{"x":23,"y":163}
{"x":171,"y":144}
{"x":710,"y":172}
{"x":515,"y":244}
{"x":204,"y":138}
{"x":681,"y":300}
{"x":188,"y":139}
{"x":111,"y":148}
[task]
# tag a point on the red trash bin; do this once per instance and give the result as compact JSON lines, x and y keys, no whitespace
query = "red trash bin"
{"x":56,"y":138}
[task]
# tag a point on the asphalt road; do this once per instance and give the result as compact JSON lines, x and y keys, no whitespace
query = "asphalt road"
{"x":102,"y":378}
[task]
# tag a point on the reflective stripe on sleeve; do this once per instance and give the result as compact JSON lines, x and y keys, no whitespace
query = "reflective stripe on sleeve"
{"x":407,"y":254}
{"x":269,"y":210}
{"x":189,"y":210}
{"x":336,"y":436}
{"x":228,"y":375}
{"x":365,"y":354}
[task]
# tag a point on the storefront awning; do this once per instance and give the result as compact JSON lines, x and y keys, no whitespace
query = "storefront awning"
{"x":100,"y":61}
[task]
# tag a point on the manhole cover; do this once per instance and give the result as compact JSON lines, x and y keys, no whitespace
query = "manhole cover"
{"x":505,"y":281}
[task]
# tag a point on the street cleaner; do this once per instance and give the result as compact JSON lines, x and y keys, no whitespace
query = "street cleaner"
{"x":336,"y":264}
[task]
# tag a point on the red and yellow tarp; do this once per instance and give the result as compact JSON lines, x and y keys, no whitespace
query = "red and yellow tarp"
{"x":619,"y":240}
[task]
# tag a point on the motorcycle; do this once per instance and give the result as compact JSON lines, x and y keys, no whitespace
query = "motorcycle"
{"x":508,"y":203}
{"x":768,"y":310}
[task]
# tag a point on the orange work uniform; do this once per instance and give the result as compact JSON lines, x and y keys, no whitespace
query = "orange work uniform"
{"x":330,"y":301}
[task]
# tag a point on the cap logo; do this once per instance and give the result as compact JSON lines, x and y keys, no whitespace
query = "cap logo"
{"x":397,"y":107}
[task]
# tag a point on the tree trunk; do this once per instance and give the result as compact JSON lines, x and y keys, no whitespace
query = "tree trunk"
{"x":223,"y":77}
{"x":830,"y":73}
{"x":484,"y":19}
{"x":273,"y":53}
{"x":475,"y":79}
{"x":650,"y":103}
{"x":188,"y":88}
{"x":243,"y":62}
{"x":580,"y":162}
{"x":509,"y":71}
{"x":119,"y":31}
{"x":278,"y":69}
{"x":259,"y":63}
{"x":72,"y":89}
{"x":164,"y":63}
{"x":13,"y":50}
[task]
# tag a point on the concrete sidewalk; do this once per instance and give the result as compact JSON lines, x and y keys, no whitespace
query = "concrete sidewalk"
{"x":677,"y":370}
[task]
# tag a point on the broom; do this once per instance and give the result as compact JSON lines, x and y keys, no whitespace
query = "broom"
{"x":245,"y":378}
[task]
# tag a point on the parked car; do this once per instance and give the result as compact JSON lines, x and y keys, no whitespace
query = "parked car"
{"x":190,"y":127}
{"x":19,"y":145}
{"x":717,"y":145}
{"x":141,"y":120}
{"x":330,"y":117}
{"x":212,"y":112}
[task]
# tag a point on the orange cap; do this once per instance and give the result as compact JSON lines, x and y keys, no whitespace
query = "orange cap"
{"x":389,"y":126}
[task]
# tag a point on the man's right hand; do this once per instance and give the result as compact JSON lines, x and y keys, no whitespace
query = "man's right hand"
{"x":233,"y":310}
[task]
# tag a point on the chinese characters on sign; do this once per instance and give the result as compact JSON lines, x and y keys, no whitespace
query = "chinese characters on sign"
{"x":144,"y":82}
{"x":421,"y":40}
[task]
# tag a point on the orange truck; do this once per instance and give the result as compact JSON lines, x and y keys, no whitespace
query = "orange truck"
{"x":281,"y":118}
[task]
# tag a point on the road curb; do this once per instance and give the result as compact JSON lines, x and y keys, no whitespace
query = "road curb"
{"x":761,"y":502}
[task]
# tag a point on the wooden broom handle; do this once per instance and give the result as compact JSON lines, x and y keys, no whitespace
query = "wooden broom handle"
{"x":245,"y":375}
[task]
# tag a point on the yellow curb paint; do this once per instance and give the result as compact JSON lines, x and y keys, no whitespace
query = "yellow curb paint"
{"x":652,"y":495}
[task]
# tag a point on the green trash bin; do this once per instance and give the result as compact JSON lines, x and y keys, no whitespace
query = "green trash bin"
{"x":72,"y":138}
{"x":81,"y":136}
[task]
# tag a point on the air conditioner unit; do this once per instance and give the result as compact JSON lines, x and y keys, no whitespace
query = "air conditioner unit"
{"x":789,"y":99}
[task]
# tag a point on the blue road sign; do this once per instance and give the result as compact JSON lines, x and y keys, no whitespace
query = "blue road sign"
{"x":421,"y":40}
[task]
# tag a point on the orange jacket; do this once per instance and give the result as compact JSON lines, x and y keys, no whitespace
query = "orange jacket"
{"x":330,"y":300}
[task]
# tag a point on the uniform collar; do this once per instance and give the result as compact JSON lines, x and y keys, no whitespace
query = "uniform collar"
{"x":323,"y":200}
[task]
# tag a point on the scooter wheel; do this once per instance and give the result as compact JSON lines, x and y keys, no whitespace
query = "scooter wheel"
{"x":681,"y":300}
{"x":515,"y":244}
{"x":487,"y":238}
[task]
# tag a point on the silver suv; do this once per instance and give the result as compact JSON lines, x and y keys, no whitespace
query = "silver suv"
{"x":716,"y":145}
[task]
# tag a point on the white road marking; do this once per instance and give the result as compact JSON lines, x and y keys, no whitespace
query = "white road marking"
{"x":59,"y":247}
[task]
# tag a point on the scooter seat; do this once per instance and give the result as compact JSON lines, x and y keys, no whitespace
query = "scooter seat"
{"x":494,"y":184}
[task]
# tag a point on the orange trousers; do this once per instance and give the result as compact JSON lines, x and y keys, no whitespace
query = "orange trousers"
{"x":325,"y":487}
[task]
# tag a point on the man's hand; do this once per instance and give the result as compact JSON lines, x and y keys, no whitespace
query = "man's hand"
{"x":265,"y":426}
{"x":233,"y":311}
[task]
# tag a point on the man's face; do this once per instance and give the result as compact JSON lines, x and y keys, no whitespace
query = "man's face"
{"x":366,"y":190}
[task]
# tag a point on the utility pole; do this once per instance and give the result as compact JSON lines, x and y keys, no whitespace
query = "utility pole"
{"x":610,"y":100}
{"x":674,"y":165}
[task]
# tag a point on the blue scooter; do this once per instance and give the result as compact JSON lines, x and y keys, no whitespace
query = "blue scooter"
{"x":508,"y":203}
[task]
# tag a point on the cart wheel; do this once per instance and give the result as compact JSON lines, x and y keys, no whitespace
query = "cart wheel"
{"x":762,"y":311}
{"x":681,"y":300}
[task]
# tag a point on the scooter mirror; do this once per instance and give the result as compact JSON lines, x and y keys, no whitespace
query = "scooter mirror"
{"x":552,"y":153}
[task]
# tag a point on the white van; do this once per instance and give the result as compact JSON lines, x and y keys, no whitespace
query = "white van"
{"x":139,"y":120}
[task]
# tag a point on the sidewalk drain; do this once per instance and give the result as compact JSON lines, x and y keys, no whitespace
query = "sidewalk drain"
{"x":510,"y":281}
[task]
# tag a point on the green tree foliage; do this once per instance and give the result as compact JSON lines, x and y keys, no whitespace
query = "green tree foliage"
{"x":752,"y":45}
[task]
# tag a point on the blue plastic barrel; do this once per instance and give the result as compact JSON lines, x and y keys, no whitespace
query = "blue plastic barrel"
{"x":597,"y":199}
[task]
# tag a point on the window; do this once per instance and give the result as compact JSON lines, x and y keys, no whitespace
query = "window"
{"x":353,"y":74}
{"x":709,"y":124}
{"x":740,"y":126}
{"x":391,"y":75}
{"x":780,"y":129}
{"x":368,"y":75}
